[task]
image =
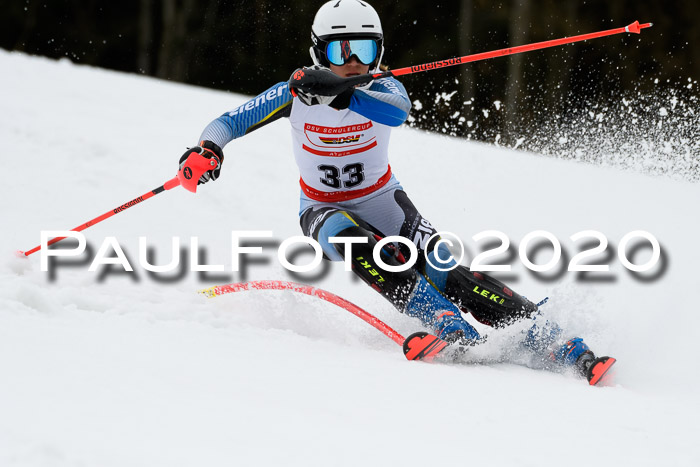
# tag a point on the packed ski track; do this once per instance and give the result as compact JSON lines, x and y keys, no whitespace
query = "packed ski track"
{"x":114,"y":369}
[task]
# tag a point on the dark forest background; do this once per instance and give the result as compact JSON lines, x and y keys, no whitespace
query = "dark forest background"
{"x":246,"y":46}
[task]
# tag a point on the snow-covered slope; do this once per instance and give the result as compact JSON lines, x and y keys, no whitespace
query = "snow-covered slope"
{"x":131,"y":369}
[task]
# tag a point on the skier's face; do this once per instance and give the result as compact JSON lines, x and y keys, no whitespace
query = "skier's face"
{"x":351,"y":68}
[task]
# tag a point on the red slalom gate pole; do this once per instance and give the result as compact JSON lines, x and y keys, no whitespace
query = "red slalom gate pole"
{"x":634,"y":28}
{"x":187,"y":177}
{"x":378,"y":324}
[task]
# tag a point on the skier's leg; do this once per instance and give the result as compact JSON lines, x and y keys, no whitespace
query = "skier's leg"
{"x":409,"y":291}
{"x":491,"y":302}
{"x":488,"y":300}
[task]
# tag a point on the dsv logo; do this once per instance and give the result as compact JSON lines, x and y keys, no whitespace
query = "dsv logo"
{"x":341,"y":139}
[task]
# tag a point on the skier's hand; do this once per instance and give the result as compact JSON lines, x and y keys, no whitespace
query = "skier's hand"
{"x":318,"y":85}
{"x":207,"y":149}
{"x":316,"y":80}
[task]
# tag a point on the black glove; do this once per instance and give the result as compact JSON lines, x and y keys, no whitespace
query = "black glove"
{"x":319,"y":85}
{"x":207,"y":149}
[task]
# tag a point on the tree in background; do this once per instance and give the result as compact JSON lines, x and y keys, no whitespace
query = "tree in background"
{"x":244,"y":46}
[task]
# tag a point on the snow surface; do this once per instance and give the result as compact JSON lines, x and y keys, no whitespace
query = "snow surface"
{"x":126,"y":369}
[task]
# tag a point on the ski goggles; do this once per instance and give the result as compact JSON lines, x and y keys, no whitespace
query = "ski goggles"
{"x":339,"y":52}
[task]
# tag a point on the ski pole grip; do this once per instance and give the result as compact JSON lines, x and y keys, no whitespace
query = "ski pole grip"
{"x":194,"y":167}
{"x":172,"y":183}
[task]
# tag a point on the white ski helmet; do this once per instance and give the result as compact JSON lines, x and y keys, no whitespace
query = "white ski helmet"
{"x":345,"y":20}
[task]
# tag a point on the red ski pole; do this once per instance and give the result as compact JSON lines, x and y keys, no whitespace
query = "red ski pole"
{"x":187,"y":177}
{"x":361,"y":79}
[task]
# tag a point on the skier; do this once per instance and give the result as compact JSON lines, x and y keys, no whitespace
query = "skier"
{"x":340,"y":143}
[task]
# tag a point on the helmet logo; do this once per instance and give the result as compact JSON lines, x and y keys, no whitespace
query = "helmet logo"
{"x":299,"y":74}
{"x":187,"y":173}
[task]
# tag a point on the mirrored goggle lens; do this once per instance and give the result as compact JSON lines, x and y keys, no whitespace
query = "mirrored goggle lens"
{"x":339,"y":52}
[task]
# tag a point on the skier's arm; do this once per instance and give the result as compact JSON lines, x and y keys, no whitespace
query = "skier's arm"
{"x":267,"y":107}
{"x":386,"y":102}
